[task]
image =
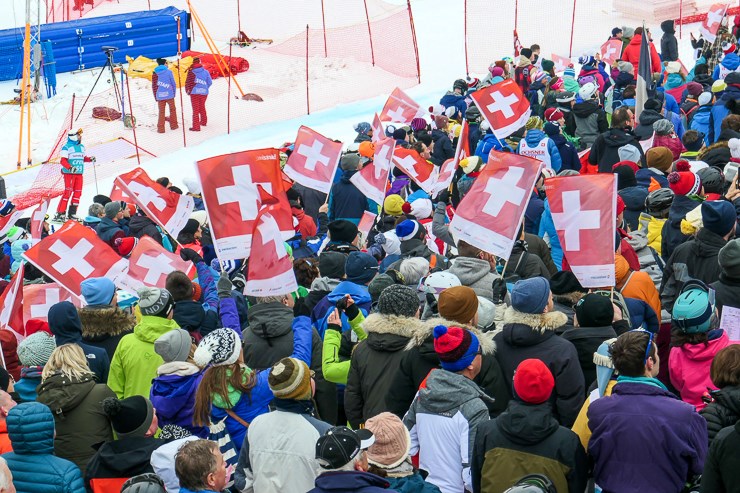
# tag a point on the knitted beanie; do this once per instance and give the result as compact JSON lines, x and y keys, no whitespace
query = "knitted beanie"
{"x":729,"y":259}
{"x":36,"y":349}
{"x":565,"y":282}
{"x":392,"y":205}
{"x":342,"y":230}
{"x":458,"y":304}
{"x":126,"y":245}
{"x":663,"y":127}
{"x":553,"y":114}
{"x":155,"y":301}
{"x":378,"y":285}
{"x":683,"y":181}
{"x":398,"y":300}
{"x":331,"y":264}
{"x":718,"y":216}
{"x":98,"y":290}
{"x":418,"y":124}
{"x":455,"y":346}
{"x":530,"y":295}
{"x":112,"y":209}
{"x":625,"y":177}
{"x":659,"y":158}
{"x":290,"y":378}
{"x":392,"y":441}
{"x":409,"y":229}
{"x":594,"y":310}
{"x":472,"y":164}
{"x":533,"y":381}
{"x":219,"y":348}
{"x":173,"y":345}
{"x":130,"y":417}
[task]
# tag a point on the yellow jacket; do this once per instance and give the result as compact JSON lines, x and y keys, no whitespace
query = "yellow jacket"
{"x":580,"y":427}
{"x":654,"y":227}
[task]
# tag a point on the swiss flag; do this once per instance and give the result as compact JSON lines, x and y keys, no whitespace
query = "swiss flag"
{"x":584,"y":211}
{"x":270,"y":269}
{"x":38,"y":217}
{"x":75,"y":253}
{"x":150,"y":263}
{"x":448,"y":168}
{"x":233,"y":201}
{"x":561,"y":62}
{"x":372,"y":179}
{"x":416,"y":167}
{"x":7,"y":222}
{"x":710,"y":25}
{"x":503,"y":106}
{"x":378,"y":132}
{"x":11,"y":305}
{"x":314,"y":160}
{"x":491,"y":212}
{"x":400,"y":108}
{"x":367,"y":221}
{"x":170,"y":210}
{"x":117,"y":194}
{"x":38,"y":298}
{"x":611,"y":51}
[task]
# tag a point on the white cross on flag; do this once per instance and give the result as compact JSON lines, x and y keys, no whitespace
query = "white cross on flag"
{"x":416,"y":167}
{"x":270,"y":269}
{"x":561,"y":63}
{"x":232,"y":198}
{"x":400,"y":108}
{"x":710,"y":25}
{"x":170,"y":210}
{"x":611,"y":51}
{"x":73,"y":254}
{"x":150,"y":263}
{"x":314,"y":160}
{"x":378,"y":132}
{"x":7,"y":222}
{"x":584,"y":213}
{"x":117,"y":194}
{"x":491,"y":212}
{"x":11,"y":309}
{"x":38,"y":217}
{"x":38,"y":298}
{"x":372,"y":179}
{"x":503,"y":106}
{"x":448,"y":168}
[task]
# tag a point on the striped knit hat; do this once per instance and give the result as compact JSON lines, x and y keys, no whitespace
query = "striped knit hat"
{"x":455,"y":346}
{"x":290,"y":378}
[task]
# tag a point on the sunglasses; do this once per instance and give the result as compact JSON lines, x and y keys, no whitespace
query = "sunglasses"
{"x":651,"y":336}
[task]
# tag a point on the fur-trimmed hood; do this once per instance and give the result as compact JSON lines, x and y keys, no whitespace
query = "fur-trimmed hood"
{"x":103,"y":322}
{"x":540,"y":322}
{"x":390,"y":333}
{"x":569,"y":299}
{"x":421,"y":336}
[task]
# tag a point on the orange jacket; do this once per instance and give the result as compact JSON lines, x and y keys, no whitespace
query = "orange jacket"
{"x":636,"y":285}
{"x":5,"y":445}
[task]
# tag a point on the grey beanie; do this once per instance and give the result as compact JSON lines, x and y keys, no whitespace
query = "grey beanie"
{"x":630,"y":153}
{"x":112,"y":209}
{"x":729,"y":259}
{"x":155,"y":301}
{"x":663,"y":127}
{"x":398,"y":300}
{"x":36,"y":349}
{"x":378,"y":284}
{"x":173,"y":345}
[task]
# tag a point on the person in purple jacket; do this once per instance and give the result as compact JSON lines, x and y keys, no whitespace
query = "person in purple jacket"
{"x":163,"y":87}
{"x":644,"y":438}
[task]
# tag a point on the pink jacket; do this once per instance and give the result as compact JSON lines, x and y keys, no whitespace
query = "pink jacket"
{"x":689,"y":365}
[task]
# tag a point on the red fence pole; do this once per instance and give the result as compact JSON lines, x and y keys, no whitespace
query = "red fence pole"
{"x":369,"y":34}
{"x":416,"y":46}
{"x":308,"y":105}
{"x":182,"y":106}
{"x":516,"y":16}
{"x":680,"y":16}
{"x":465,"y":36}
{"x":228,"y":95}
{"x":323,"y":22}
{"x":572,"y":27}
{"x":133,"y":119}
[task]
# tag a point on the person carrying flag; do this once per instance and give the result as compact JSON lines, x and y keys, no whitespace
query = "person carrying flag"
{"x":73,"y":159}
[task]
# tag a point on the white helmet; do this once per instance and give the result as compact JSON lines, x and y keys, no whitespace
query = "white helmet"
{"x":437,"y":282}
{"x":588,"y":91}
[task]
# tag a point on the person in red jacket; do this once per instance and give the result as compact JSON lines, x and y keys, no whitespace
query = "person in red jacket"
{"x":304,"y":224}
{"x":632,"y":52}
{"x":197,"y":86}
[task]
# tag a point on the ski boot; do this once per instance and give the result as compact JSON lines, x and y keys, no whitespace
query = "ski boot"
{"x":59,"y":218}
{"x":72,"y":213}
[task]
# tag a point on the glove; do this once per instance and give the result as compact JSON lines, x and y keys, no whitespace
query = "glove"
{"x":92,"y":158}
{"x":444,"y":196}
{"x":224,"y":286}
{"x":300,"y":309}
{"x":499,"y":291}
{"x":432,"y":303}
{"x":239,"y":282}
{"x":190,"y":255}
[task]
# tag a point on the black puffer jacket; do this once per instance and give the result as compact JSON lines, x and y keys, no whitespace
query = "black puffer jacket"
{"x":634,"y":201}
{"x":442,"y":147}
{"x":122,"y":458}
{"x":668,"y":43}
{"x":374,"y":362}
{"x":420,"y":358}
{"x":723,"y":412}
{"x":587,"y":340}
{"x":142,"y":225}
{"x":644,"y":129}
{"x":191,"y":316}
{"x":605,"y":151}
{"x":527,"y":336}
{"x":671,"y":235}
{"x":526,"y":264}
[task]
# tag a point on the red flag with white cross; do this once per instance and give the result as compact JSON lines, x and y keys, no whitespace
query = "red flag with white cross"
{"x":400,"y":108}
{"x":378,"y":132}
{"x":11,"y":305}
{"x":710,"y":26}
{"x":170,"y":210}
{"x":38,"y":217}
{"x":149,"y":264}
{"x":611,"y":51}
{"x":233,"y":201}
{"x":504,"y":107}
{"x":489,"y":215}
{"x":561,"y":63}
{"x":117,"y":194}
{"x":270,"y":268}
{"x":584,"y":213}
{"x":314,"y":160}
{"x":416,"y":167}
{"x":75,"y":253}
{"x":38,"y":298}
{"x":372,"y":179}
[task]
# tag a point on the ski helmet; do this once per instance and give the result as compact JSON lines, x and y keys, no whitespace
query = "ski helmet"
{"x":437,"y":282}
{"x":472,"y":114}
{"x":533,"y":483}
{"x":460,"y":84}
{"x":712,"y":180}
{"x":659,"y":201}
{"x":144,"y":483}
{"x":75,"y":135}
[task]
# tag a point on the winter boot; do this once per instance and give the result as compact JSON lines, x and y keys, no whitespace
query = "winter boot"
{"x":72,"y":213}
{"x":59,"y":217}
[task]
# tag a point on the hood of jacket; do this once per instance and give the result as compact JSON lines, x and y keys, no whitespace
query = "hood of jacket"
{"x":31,"y":429}
{"x":390,"y":333}
{"x":731,"y":94}
{"x":667,"y":27}
{"x":528,"y":329}
{"x":173,"y":392}
{"x":636,"y":40}
{"x":189,"y":315}
{"x":648,"y":117}
{"x":64,"y":323}
{"x":470,"y":270}
{"x":708,"y":244}
{"x":415,"y":248}
{"x":150,"y":328}
{"x":138,"y":223}
{"x":446,"y":391}
{"x":585,"y":108}
{"x":101,"y":322}
{"x":527,"y":424}
{"x":702,"y":115}
{"x":324,"y":284}
{"x":161,"y":68}
{"x":270,"y":320}
{"x":681,"y":206}
{"x":634,"y":197}
{"x":126,"y":457}
{"x":731,"y":61}
{"x":621,"y":268}
{"x":358,"y":293}
{"x":106,"y":224}
{"x":63,"y":394}
{"x":674,"y":80}
{"x":624,"y":79}
{"x":343,"y":481}
{"x":347,"y":174}
{"x":618,"y":137}
{"x":534,"y":137}
{"x":523,"y":62}
{"x":424,"y":335}
{"x":728,"y":397}
{"x":704,"y":353}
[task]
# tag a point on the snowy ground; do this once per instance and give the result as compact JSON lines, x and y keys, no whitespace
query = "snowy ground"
{"x":440,"y":38}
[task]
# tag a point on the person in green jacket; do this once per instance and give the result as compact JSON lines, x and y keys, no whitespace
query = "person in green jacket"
{"x":135,"y":362}
{"x":335,"y":365}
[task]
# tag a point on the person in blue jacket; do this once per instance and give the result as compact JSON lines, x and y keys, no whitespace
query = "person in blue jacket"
{"x":163,"y":88}
{"x":346,"y":201}
{"x":197,"y":86}
{"x":489,"y":142}
{"x":725,"y":105}
{"x":568,"y":154}
{"x":729,"y":63}
{"x":456,"y":99}
{"x":539,"y":146}
{"x":701,"y":121}
{"x":547,"y":226}
{"x":32,"y":462}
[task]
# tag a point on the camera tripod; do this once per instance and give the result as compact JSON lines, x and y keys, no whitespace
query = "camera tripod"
{"x":109,"y":50}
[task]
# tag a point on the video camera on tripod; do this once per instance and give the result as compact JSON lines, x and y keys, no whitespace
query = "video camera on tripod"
{"x":109,"y":64}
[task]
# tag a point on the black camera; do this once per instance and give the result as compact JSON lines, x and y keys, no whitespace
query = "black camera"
{"x":109,"y":49}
